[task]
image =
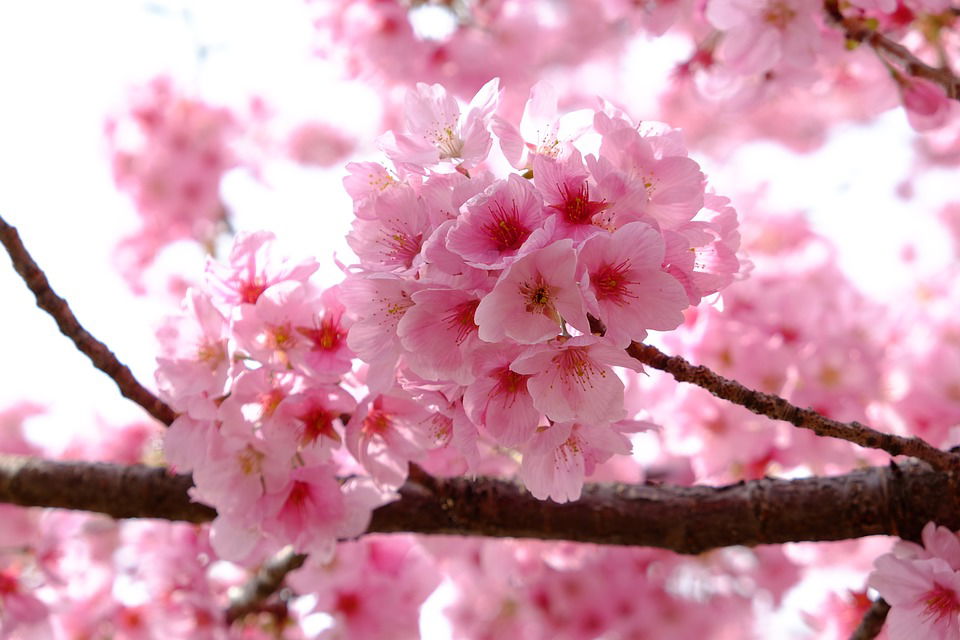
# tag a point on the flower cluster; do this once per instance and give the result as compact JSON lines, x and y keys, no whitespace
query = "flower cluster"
{"x":255,"y":366}
{"x":169,"y":152}
{"x":502,"y":303}
{"x":472,"y":306}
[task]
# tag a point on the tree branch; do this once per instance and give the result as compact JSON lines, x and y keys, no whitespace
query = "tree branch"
{"x":859,"y":30}
{"x":101,"y":357}
{"x":134,"y":491}
{"x":779,"y":409}
{"x":895,"y":501}
{"x":267,"y":581}
{"x":872,"y":623}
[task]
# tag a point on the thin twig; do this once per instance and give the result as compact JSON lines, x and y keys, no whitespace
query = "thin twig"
{"x":896,"y":501}
{"x":101,"y":357}
{"x":859,"y":30}
{"x":872,"y":623}
{"x":779,"y":409}
{"x":268,"y":580}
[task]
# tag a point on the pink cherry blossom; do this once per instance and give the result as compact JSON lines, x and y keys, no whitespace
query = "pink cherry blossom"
{"x":567,"y":193}
{"x":385,"y":433}
{"x":559,"y":456}
{"x":572,"y":379}
{"x":499,"y":225}
{"x":922,"y":586}
{"x":438,"y":130}
{"x":533,"y":297}
{"x":498,"y":399}
{"x":440,"y":335}
{"x":630,"y":291}
{"x":543,"y":131}
{"x":192,"y":374}
{"x":250,"y":270}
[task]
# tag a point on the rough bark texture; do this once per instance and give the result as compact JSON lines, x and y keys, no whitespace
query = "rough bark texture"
{"x":134,"y":491}
{"x":895,"y":501}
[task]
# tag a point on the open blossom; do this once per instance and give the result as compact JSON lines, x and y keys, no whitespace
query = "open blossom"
{"x":392,"y":240}
{"x":567,"y":192}
{"x":193,"y":373}
{"x":499,"y":225}
{"x":533,"y":296}
{"x":250,"y":270}
{"x":440,"y":334}
{"x":498,"y":399}
{"x":386,"y":432}
{"x":759,"y":34}
{"x":571,"y":378}
{"x":630,"y":292}
{"x":437,"y":130}
{"x":559,"y":456}
{"x":312,"y":511}
{"x":922,"y":586}
{"x":543,"y":131}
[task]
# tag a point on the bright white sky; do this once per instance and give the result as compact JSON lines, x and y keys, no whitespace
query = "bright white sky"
{"x":63,"y":65}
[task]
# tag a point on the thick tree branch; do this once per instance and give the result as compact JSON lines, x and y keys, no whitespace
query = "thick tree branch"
{"x":872,"y":623}
{"x":859,"y":30}
{"x":101,"y":357}
{"x":894,"y":501}
{"x":779,"y":409}
{"x":134,"y":491}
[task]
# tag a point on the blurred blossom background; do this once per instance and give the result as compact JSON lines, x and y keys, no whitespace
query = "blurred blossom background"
{"x":251,"y":71}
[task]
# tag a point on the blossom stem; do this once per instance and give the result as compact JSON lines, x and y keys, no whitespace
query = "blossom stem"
{"x":872,"y":623}
{"x":859,"y":31}
{"x":267,"y":581}
{"x":779,"y":409}
{"x":101,"y":357}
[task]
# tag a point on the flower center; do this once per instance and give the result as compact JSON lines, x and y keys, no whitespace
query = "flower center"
{"x":611,"y":283}
{"x":940,"y":602}
{"x":505,"y":229}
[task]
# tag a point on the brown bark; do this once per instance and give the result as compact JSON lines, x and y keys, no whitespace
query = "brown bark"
{"x":101,"y":356}
{"x":894,"y":501}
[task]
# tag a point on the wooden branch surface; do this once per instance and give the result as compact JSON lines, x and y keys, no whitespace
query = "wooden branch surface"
{"x":894,"y":501}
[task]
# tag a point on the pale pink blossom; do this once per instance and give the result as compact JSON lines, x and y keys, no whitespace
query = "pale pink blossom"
{"x":392,"y":239}
{"x":629,"y":290}
{"x":533,"y":297}
{"x":499,"y":225}
{"x":922,"y":586}
{"x":559,"y":456}
{"x":385,"y":433}
{"x":571,"y":378}
{"x":543,"y":131}
{"x":251,"y":269}
{"x":312,"y":511}
{"x":759,"y":34}
{"x":438,"y":130}
{"x":498,"y":399}
{"x":439,"y":334}
{"x":193,"y":371}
